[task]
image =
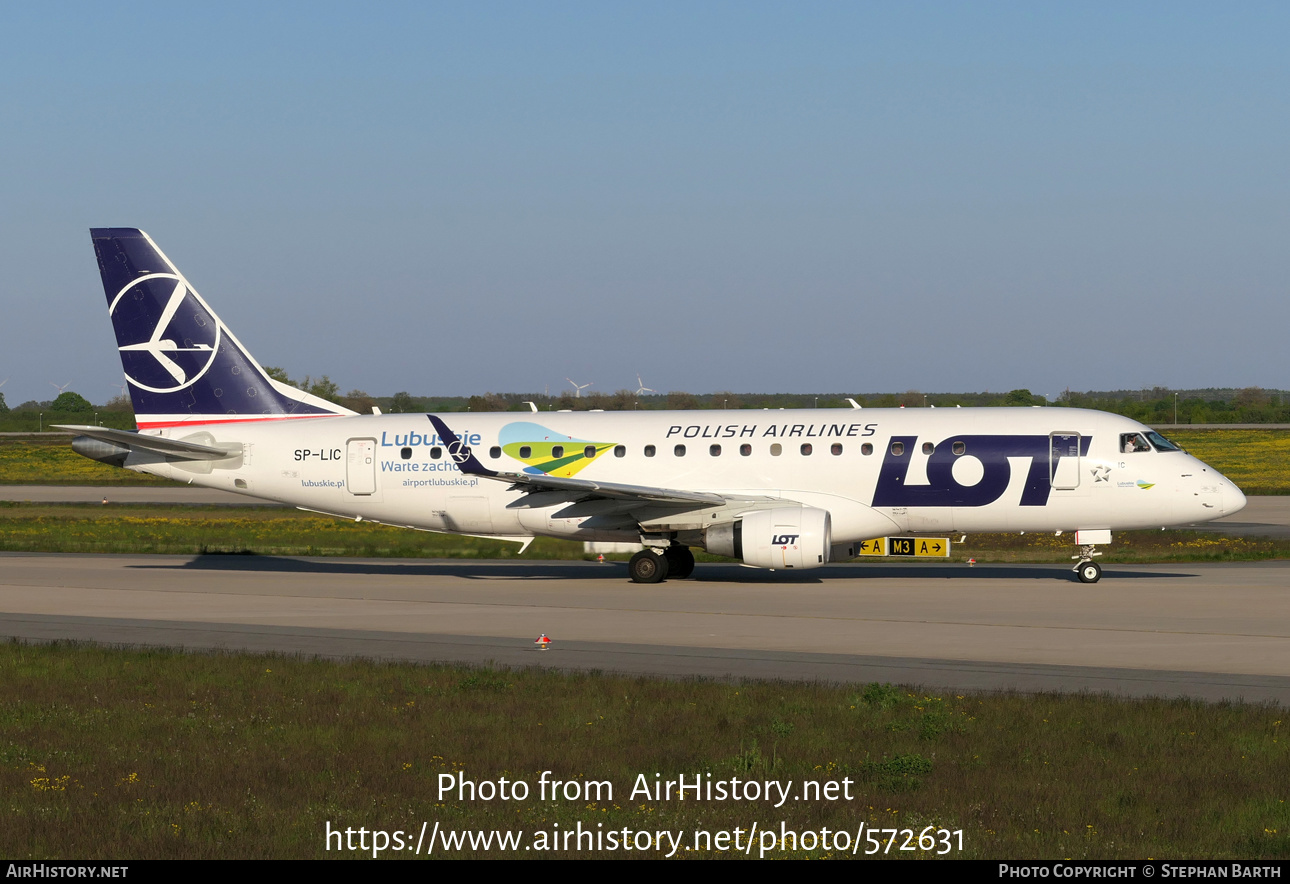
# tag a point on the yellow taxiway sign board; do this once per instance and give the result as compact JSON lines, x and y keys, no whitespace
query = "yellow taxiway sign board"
{"x":916,"y":547}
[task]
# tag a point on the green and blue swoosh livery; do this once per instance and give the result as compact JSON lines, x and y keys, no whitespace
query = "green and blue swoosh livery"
{"x":545,"y":451}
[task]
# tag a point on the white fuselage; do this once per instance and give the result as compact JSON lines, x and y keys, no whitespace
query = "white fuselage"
{"x":876,"y":471}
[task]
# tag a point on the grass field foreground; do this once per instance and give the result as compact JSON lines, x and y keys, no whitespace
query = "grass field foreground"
{"x":154,"y":754}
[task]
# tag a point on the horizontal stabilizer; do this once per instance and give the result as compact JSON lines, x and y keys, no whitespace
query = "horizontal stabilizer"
{"x":155,"y":444}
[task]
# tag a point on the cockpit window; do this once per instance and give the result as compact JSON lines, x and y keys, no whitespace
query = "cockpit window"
{"x":1132,"y":442}
{"x":1161,"y":443}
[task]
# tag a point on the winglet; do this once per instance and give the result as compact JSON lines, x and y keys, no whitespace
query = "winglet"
{"x":459,"y":451}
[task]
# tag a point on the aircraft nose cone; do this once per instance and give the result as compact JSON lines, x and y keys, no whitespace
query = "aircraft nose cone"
{"x":1233,"y":500}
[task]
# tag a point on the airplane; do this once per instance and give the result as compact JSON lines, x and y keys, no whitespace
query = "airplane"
{"x":782,"y":490}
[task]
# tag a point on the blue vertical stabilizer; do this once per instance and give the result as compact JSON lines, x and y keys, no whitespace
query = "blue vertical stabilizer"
{"x":181,"y":362}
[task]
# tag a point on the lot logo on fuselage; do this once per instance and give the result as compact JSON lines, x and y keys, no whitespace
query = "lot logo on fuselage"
{"x":167,"y":337}
{"x":993,"y":453}
{"x":459,"y":451}
{"x":546,"y":452}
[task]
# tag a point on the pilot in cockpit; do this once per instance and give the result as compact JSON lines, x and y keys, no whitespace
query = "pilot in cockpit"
{"x":1133,"y":442}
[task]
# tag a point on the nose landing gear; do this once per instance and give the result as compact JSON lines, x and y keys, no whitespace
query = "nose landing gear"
{"x":1089,"y":572}
{"x":1086,"y":569}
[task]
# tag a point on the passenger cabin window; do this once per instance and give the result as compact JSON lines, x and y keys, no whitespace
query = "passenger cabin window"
{"x":525,"y":452}
{"x":620,"y":451}
{"x":406,"y":453}
{"x":866,"y":449}
{"x":928,"y":448}
{"x":897,"y":449}
{"x":679,"y":451}
{"x":557,"y":451}
{"x":836,"y":448}
{"x":589,"y":451}
{"x":494,"y":452}
{"x":806,"y":449}
{"x":436,"y":453}
{"x":959,"y":448}
{"x":776,"y":450}
{"x":714,"y":450}
{"x":649,"y":450}
{"x":1131,"y":443}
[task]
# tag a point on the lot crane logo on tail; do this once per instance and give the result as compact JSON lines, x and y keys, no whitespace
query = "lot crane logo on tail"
{"x":160,"y":362}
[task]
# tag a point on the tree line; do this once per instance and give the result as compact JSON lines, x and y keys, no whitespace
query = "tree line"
{"x":1154,"y":406}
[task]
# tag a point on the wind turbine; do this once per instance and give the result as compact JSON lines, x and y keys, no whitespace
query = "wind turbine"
{"x":640,"y":386}
{"x":60,"y":389}
{"x":578,"y":387}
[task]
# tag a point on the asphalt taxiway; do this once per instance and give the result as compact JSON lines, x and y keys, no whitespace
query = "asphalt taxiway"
{"x":1209,"y":631}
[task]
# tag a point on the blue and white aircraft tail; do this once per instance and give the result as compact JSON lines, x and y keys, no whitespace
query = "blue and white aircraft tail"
{"x":772,"y":489}
{"x":181,"y":362}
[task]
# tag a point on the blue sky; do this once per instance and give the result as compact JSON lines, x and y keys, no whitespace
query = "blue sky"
{"x":471,"y":197}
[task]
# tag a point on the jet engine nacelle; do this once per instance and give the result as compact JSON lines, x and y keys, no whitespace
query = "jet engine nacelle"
{"x":781,"y":537}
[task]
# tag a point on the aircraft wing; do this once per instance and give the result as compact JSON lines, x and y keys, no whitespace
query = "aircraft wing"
{"x":585,"y":488}
{"x":575,"y":488}
{"x":155,"y":444}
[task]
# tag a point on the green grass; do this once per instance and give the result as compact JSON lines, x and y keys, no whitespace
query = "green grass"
{"x":155,"y":754}
{"x":1258,"y":461}
{"x":49,"y":460}
{"x":195,"y":530}
{"x":1126,"y":547}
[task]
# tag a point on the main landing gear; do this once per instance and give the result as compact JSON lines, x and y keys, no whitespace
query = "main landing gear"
{"x":651,"y":566}
{"x":680,"y":562}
